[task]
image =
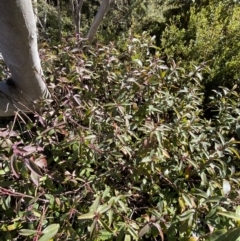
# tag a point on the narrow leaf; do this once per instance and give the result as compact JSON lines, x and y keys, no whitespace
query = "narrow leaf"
{"x":95,"y":204}
{"x":52,"y":228}
{"x":103,"y":208}
{"x":187,"y":200}
{"x":232,"y":235}
{"x":127,"y":237}
{"x":14,"y":166}
{"x":144,"y":230}
{"x":104,"y":225}
{"x":123,"y":206}
{"x":230,"y":215}
{"x":186,"y":215}
{"x":27,"y":232}
{"x":35,"y":178}
{"x":87,"y":216}
{"x":234,"y":151}
{"x":159,"y":230}
{"x":50,"y":232}
{"x":33,"y":167}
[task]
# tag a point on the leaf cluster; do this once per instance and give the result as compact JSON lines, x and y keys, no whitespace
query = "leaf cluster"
{"x":121,"y":152}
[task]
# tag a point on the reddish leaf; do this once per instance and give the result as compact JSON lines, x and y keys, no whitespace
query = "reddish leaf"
{"x":33,"y":167}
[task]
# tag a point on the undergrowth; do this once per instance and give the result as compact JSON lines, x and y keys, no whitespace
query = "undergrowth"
{"x":122,"y":151}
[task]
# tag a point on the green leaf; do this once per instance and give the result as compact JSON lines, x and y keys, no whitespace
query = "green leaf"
{"x":94,"y":206}
{"x":221,"y":138}
{"x":92,"y":229}
{"x":201,"y":193}
{"x":90,"y":137}
{"x":146,"y":159}
{"x":33,"y":200}
{"x":103,"y":208}
{"x":110,"y":217}
{"x":123,"y":206}
{"x":50,"y":232}
{"x":106,"y":192}
{"x":230,"y":215}
{"x":87,"y":216}
{"x":186,"y":215}
{"x":35,"y":178}
{"x":105,"y":235}
{"x":145,"y":229}
{"x":127,"y":237}
{"x":232,"y":235}
{"x":238,"y":210}
{"x":27,"y":232}
{"x":216,"y":199}
{"x":51,"y":228}
{"x":104,"y":225}
{"x":6,"y":202}
{"x":216,"y":234}
{"x":121,"y":233}
{"x":10,"y":227}
{"x":133,"y":232}
{"x":233,"y":150}
{"x":187,"y":200}
{"x":14,"y":166}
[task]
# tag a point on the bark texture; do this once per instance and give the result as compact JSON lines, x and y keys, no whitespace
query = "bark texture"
{"x":18,"y":45}
{"x":103,"y":9}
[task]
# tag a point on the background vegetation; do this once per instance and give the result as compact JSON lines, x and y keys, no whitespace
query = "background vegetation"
{"x":141,"y":138}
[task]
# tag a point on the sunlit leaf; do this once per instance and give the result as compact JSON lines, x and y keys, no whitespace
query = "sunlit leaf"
{"x":127,"y":237}
{"x":103,"y":208}
{"x":186,"y":215}
{"x":35,"y":178}
{"x":188,"y":200}
{"x":10,"y":227}
{"x":50,"y":232}
{"x":86,"y":216}
{"x":226,"y":187}
{"x":123,"y":206}
{"x":27,"y":232}
{"x":230,"y":215}
{"x":96,"y":203}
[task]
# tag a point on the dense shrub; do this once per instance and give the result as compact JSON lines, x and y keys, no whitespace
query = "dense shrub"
{"x":122,"y":153}
{"x":211,"y":36}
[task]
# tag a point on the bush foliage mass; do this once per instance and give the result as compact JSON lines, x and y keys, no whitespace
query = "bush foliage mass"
{"x":124,"y":150}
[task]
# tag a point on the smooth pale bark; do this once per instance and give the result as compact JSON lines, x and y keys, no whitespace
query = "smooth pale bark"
{"x":18,"y":45}
{"x":79,"y":4}
{"x":103,"y":9}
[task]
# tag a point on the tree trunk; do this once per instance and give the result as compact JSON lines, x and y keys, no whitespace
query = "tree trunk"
{"x":18,"y":45}
{"x":79,"y":4}
{"x":104,"y":7}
